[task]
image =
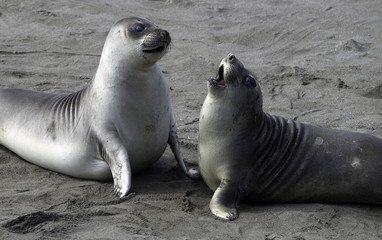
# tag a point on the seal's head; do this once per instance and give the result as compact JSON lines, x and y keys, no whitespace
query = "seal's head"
{"x":137,"y":42}
{"x":236,"y":84}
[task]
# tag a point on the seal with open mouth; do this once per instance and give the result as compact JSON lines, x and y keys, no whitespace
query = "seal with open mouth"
{"x":119,"y":124}
{"x":247,"y":154}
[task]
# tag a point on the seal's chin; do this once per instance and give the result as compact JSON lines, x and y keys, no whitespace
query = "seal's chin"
{"x":219,"y":80}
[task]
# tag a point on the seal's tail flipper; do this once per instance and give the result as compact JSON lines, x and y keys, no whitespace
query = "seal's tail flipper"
{"x":174,"y":144}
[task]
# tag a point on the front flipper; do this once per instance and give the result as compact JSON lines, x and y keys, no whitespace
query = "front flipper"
{"x":224,"y":201}
{"x":115,"y":155}
{"x":193,"y":173}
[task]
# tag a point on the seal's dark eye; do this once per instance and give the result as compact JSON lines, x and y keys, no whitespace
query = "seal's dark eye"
{"x":139,"y":28}
{"x":249,"y":81}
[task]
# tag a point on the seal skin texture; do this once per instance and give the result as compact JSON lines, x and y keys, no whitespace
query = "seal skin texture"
{"x":118,"y":125}
{"x":247,"y":154}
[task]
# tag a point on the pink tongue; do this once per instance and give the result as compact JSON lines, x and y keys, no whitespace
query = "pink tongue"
{"x":221,"y":82}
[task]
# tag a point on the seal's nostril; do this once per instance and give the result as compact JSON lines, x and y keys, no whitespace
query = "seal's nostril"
{"x":165,"y":34}
{"x":231,"y":58}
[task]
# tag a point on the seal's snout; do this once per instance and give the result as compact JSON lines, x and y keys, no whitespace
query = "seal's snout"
{"x":157,"y":42}
{"x":231,"y":58}
{"x":165,"y":36}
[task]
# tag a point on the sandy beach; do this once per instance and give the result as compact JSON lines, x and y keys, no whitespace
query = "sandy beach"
{"x":319,"y":62}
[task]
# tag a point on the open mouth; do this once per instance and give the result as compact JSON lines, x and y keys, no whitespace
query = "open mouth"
{"x":154,"y":50}
{"x":219,"y":80}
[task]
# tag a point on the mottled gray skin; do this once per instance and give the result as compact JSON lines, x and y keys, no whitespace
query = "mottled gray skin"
{"x":247,"y":154}
{"x":119,"y":124}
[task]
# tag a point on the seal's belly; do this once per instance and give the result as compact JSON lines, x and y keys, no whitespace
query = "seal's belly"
{"x":146,"y":140}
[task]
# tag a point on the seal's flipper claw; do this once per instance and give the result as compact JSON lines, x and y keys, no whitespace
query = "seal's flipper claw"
{"x":224,"y":212}
{"x":194,"y":173}
{"x":224,"y":201}
{"x":122,"y":177}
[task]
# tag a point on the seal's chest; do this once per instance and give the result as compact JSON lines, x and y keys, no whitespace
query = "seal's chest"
{"x":144,"y":128}
{"x":149,"y":115}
